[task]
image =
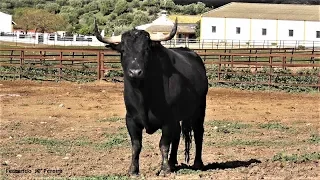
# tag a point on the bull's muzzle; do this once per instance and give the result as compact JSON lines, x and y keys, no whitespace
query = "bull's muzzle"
{"x":135,"y":73}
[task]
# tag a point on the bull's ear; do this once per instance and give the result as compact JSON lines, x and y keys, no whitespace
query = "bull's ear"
{"x":116,"y":47}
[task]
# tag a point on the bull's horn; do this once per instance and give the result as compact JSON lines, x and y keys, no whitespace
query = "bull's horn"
{"x":109,"y":40}
{"x":162,"y":37}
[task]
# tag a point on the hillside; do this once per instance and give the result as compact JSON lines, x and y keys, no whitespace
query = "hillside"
{"x":217,"y":3}
{"x":114,"y":16}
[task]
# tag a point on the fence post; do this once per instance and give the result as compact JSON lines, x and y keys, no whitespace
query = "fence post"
{"x":231,"y":63}
{"x":319,"y":82}
{"x":284,"y":62}
{"x":312,"y":58}
{"x":21,"y":63}
{"x":11,"y":56}
{"x":60,"y":65}
{"x":270,"y":71}
{"x":99,"y":65}
{"x":291,"y":56}
{"x":219,"y":68}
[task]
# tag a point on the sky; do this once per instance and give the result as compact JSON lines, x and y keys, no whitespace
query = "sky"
{"x":217,"y":3}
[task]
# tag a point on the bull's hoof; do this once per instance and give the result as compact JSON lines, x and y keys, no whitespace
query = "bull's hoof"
{"x":163,"y":173}
{"x":165,"y":170}
{"x":133,"y":171}
{"x":173,"y":165}
{"x":198,"y":165}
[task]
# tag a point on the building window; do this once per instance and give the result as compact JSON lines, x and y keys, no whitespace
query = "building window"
{"x":238,"y":30}
{"x":214,"y":29}
{"x":264,"y":31}
{"x":290,"y":33}
{"x":318,"y":34}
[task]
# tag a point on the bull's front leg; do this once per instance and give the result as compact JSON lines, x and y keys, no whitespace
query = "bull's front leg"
{"x":164,"y":146}
{"x":135,"y":132}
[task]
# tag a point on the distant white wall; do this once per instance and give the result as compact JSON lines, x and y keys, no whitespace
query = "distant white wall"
{"x":206,"y":28}
{"x":311,"y":29}
{"x":251,"y":29}
{"x":285,"y":26}
{"x":256,"y":29}
{"x":232,"y":24}
{"x":5,"y":22}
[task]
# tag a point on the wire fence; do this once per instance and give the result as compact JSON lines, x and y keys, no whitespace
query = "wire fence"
{"x":77,"y":40}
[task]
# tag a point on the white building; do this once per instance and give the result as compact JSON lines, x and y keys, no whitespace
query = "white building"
{"x":262,"y":22}
{"x":6,"y":22}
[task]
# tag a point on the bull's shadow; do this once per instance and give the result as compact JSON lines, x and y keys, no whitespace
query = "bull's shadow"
{"x":222,"y":165}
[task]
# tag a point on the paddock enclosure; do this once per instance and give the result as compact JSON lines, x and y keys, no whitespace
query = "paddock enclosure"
{"x":79,"y":129}
{"x":284,"y":68}
{"x":57,"y":129}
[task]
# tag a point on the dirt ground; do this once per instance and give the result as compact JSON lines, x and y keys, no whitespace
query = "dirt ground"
{"x":70,"y":130}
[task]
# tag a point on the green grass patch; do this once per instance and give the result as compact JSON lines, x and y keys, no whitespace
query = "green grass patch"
{"x":251,"y":143}
{"x":111,"y":119}
{"x":45,"y":142}
{"x":109,"y":177}
{"x":315,"y":138}
{"x":56,"y":146}
{"x":227,"y":126}
{"x":115,"y":140}
{"x":274,"y":125}
{"x":282,"y":157}
{"x":240,"y":142}
{"x":188,"y":171}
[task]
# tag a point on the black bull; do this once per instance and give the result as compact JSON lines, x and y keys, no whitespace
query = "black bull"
{"x":162,"y":87}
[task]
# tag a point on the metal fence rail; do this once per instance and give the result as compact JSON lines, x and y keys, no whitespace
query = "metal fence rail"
{"x":61,"y":40}
{"x":223,"y":66}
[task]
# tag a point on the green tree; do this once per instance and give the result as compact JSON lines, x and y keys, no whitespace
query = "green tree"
{"x":153,"y":10}
{"x":92,"y":6}
{"x":39,"y":19}
{"x":167,"y":4}
{"x":52,"y":7}
{"x":70,"y":14}
{"x":109,"y":13}
{"x":140,"y":18}
{"x":199,"y":8}
{"x":85,"y":29}
{"x":190,"y":9}
{"x":75,"y":3}
{"x":120,"y":7}
{"x":151,"y":3}
{"x":106,"y":6}
{"x":135,"y":4}
{"x":121,"y":29}
{"x":62,"y":2}
{"x":124,"y":19}
{"x":197,"y":29}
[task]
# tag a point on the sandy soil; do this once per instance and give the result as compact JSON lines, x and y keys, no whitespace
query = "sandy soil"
{"x":51,"y":129}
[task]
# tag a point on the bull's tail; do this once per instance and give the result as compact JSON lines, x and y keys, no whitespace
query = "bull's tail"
{"x":187,"y":135}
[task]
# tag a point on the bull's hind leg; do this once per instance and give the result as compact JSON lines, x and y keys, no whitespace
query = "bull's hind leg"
{"x":197,"y":126}
{"x":174,"y":146}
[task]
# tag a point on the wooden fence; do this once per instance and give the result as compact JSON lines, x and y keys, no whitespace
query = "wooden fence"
{"x":223,"y":65}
